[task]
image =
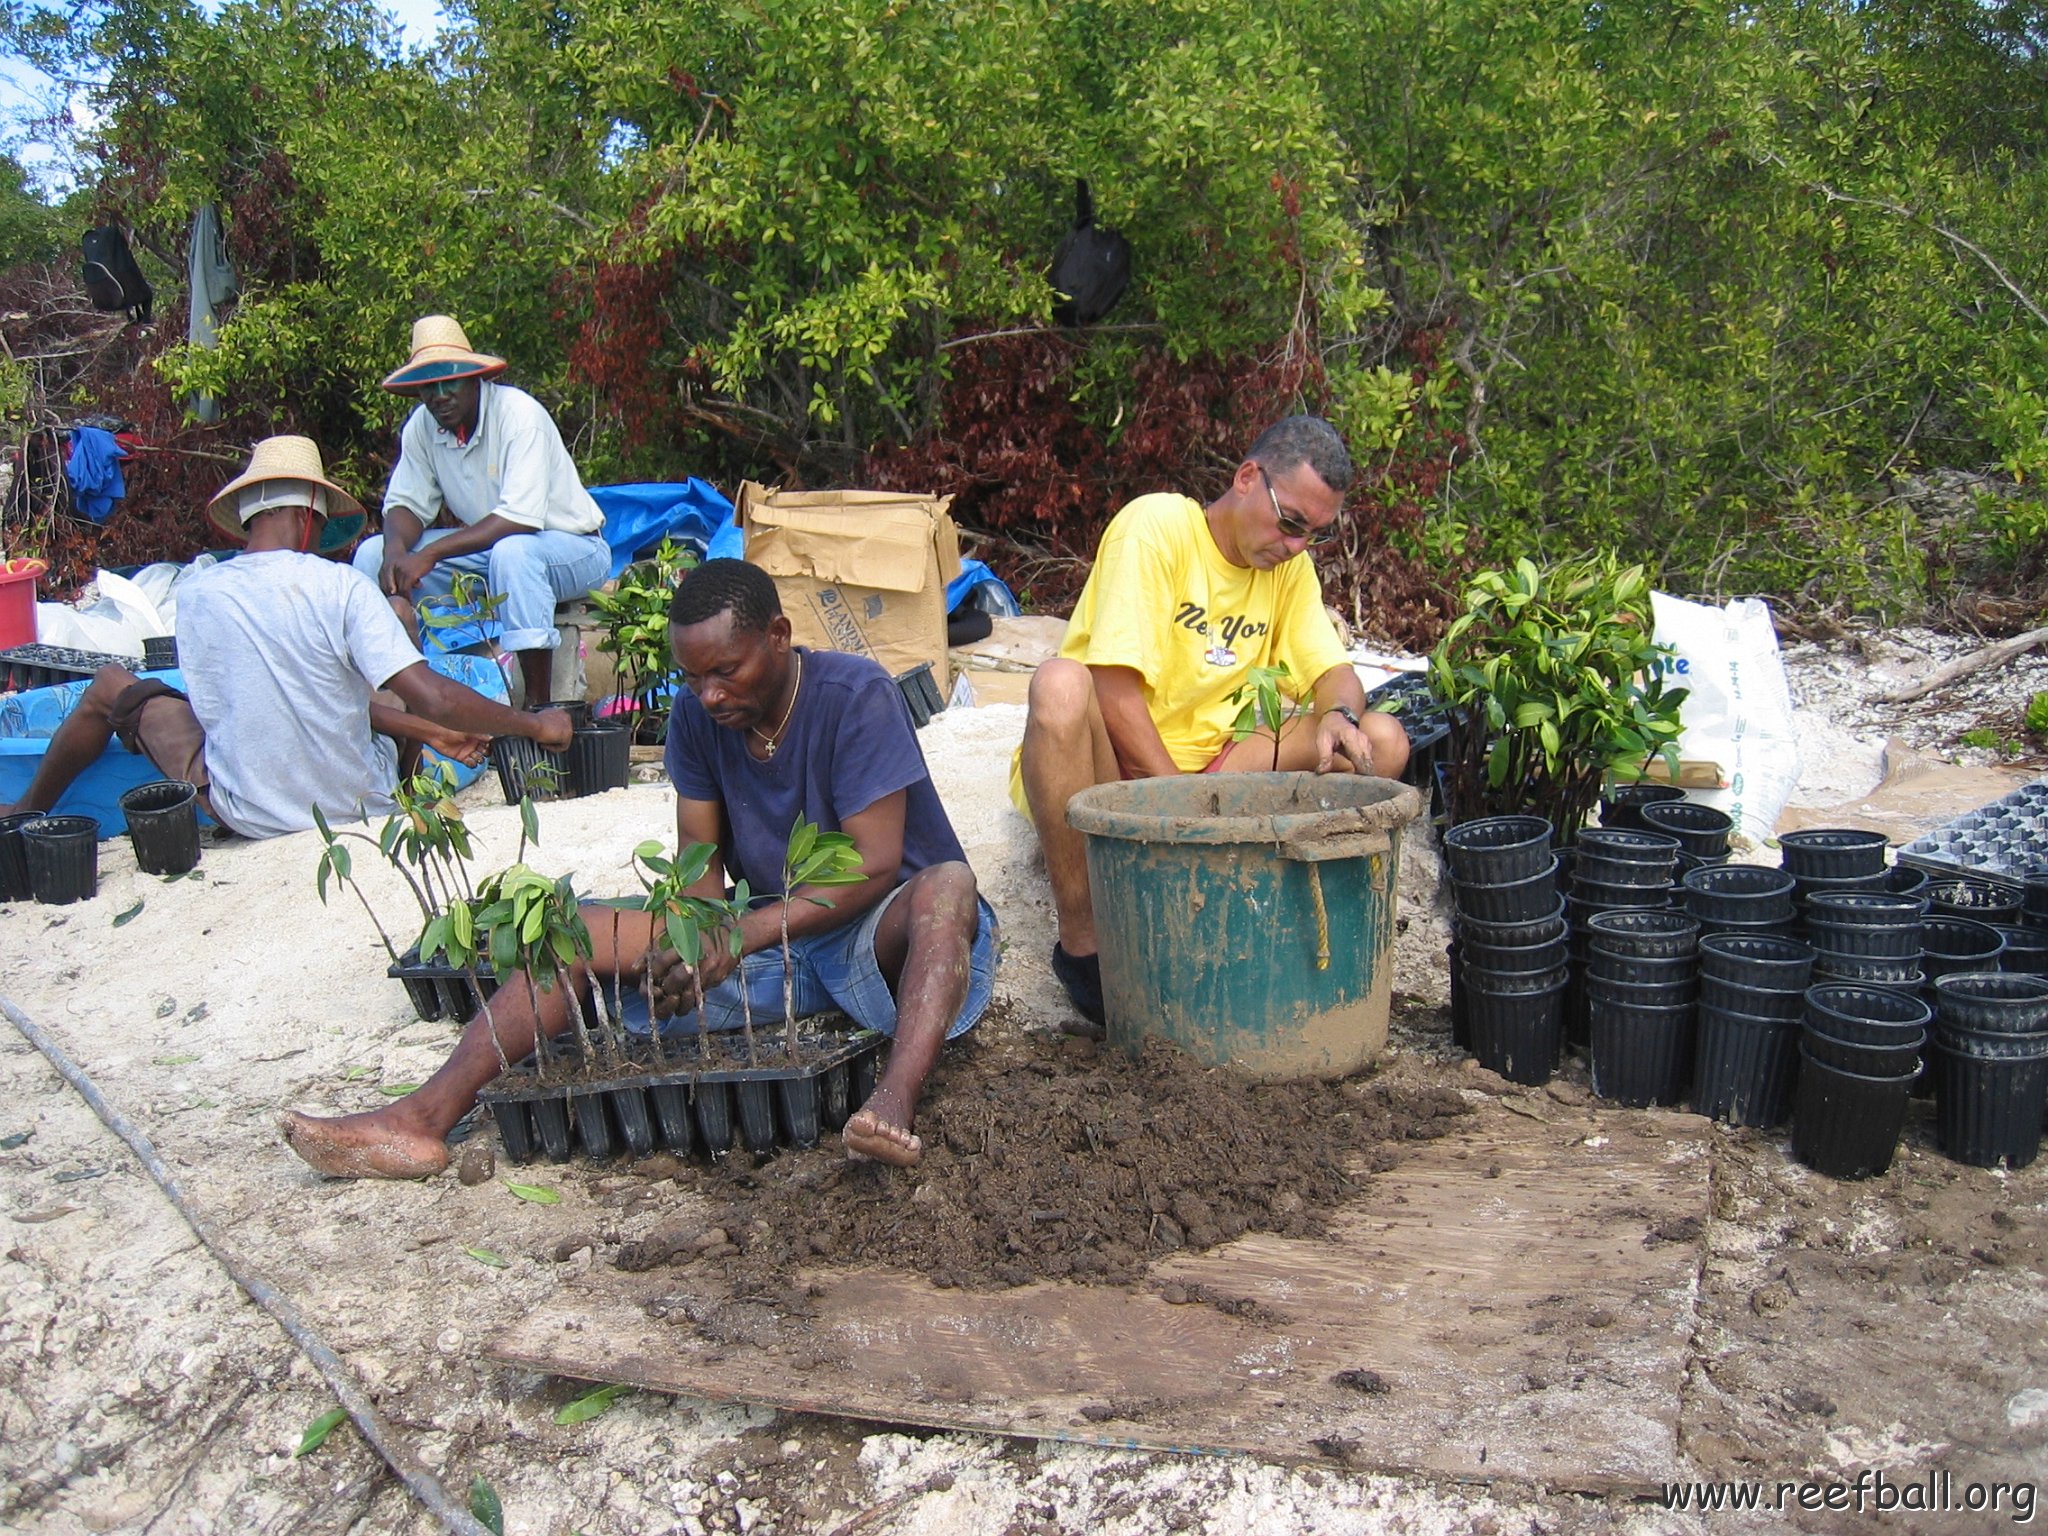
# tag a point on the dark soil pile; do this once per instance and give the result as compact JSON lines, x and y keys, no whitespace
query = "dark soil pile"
{"x":1054,"y":1159}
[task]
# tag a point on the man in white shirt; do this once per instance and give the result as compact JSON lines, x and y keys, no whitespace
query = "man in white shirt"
{"x":488,"y":459}
{"x":282,"y":653}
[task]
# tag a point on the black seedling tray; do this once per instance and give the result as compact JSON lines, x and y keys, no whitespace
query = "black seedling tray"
{"x":2007,"y":837}
{"x":159,"y":653}
{"x":920,"y":691}
{"x":44,"y":666}
{"x":699,"y":1100}
{"x":1426,"y":720}
{"x":438,"y":990}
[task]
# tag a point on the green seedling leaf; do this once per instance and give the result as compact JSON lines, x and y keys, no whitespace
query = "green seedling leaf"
{"x":485,"y":1256}
{"x":592,"y":1403}
{"x":190,"y":874}
{"x":537,"y":1193}
{"x":397,"y":1090}
{"x":485,"y":1505}
{"x":19,"y":1138}
{"x":194,"y":1014}
{"x":353,"y":1073}
{"x":317,"y":1432}
{"x":182,"y":1059}
{"x":122,"y":919}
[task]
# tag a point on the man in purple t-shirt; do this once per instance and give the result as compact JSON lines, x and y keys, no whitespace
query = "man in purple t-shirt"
{"x":764,"y":732}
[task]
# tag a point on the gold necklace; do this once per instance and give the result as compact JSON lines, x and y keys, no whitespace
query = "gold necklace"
{"x":769,"y":738}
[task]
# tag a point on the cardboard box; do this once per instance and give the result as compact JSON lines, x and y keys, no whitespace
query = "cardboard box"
{"x":860,"y":571}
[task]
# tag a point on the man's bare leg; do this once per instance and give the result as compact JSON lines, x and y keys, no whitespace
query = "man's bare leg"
{"x":408,"y":1139}
{"x":78,"y":743}
{"x":924,"y":945}
{"x":1066,"y":750}
{"x":537,"y":674}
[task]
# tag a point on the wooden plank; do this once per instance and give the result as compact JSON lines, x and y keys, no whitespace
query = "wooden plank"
{"x":1523,"y":1291}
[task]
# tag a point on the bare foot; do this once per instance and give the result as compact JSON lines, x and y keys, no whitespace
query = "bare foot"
{"x":873,"y":1132}
{"x":365,"y":1146}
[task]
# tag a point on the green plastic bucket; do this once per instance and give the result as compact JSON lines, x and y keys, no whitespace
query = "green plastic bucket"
{"x":1248,"y":917}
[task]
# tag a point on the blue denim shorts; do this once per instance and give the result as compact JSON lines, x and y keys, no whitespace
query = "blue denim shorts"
{"x":835,"y":970}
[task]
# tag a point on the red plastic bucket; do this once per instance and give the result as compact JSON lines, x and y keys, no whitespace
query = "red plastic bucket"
{"x":18,"y":601}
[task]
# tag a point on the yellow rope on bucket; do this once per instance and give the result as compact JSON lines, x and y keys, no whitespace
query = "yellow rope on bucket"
{"x":1315,"y":891}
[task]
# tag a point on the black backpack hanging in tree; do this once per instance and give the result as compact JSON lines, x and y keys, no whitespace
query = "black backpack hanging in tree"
{"x":112,"y":280}
{"x":1091,"y":268}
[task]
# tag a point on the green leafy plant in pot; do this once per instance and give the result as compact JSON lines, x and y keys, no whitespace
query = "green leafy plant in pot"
{"x":1555,"y":683}
{"x":634,"y":618}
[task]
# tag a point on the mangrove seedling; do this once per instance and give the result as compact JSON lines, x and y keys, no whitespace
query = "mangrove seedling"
{"x":1264,"y":705}
{"x":425,"y":839}
{"x":519,"y":921}
{"x":468,"y":600}
{"x":634,"y":616}
{"x":815,"y":859}
{"x":686,"y":924}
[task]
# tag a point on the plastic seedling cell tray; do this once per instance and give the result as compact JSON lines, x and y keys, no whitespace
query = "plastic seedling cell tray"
{"x":43,"y":666}
{"x":2002,"y":838}
{"x":438,"y":990}
{"x":704,"y":1098}
{"x":921,"y":694}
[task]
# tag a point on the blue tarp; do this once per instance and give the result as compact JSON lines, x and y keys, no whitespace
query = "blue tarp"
{"x":28,"y":720}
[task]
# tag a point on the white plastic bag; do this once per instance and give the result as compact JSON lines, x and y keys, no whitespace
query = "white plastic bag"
{"x":1738,"y":712}
{"x":117,"y":621}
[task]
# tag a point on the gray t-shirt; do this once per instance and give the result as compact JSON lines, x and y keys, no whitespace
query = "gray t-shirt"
{"x":281,"y":653}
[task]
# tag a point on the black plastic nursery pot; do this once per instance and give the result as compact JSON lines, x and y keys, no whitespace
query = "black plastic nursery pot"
{"x":921,"y":694}
{"x":1651,"y":934}
{"x":1833,"y":853}
{"x":1461,"y":1020}
{"x":1776,"y":928}
{"x":1607,"y":963}
{"x":1594,"y":869}
{"x":1700,"y":829}
{"x":1764,"y":962}
{"x":1844,"y":1124}
{"x":440,"y":991}
{"x":705,"y":1097}
{"x":1744,"y":1067}
{"x":1869,"y":970}
{"x":526,"y":769}
{"x":2025,"y":952}
{"x":1988,"y":1111}
{"x":1622,"y":806}
{"x":1614,"y":898}
{"x":1866,"y":909}
{"x":163,"y":826}
{"x":1499,"y":850}
{"x":14,"y":856}
{"x":1739,"y":893}
{"x":1944,"y":937}
{"x":1864,"y":941}
{"x":1867,"y":1015}
{"x":1905,"y":880}
{"x":1641,"y":1056}
{"x":1509,"y":901}
{"x":1626,"y":845}
{"x":1535,"y":930}
{"x":1603,"y":989}
{"x":1517,"y":1034}
{"x":63,"y":858}
{"x":1987,"y":901}
{"x":600,"y":757}
{"x":1515,"y":958}
{"x":1757,"y":1002}
{"x":1804,"y":890}
{"x":1902,"y":1059}
{"x":1996,"y":1003}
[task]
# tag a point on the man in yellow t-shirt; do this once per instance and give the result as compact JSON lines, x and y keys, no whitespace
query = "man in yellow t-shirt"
{"x":1183,"y":602}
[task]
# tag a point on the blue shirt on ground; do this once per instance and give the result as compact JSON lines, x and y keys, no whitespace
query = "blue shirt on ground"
{"x":849,"y":743}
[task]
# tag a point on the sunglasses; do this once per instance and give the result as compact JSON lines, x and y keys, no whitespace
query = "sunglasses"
{"x":1293,"y":527}
{"x":441,"y":388}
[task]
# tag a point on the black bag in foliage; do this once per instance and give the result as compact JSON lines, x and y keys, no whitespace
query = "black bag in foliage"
{"x":112,"y":280}
{"x":1091,"y":268}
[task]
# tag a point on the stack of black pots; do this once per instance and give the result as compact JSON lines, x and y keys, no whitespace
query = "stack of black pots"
{"x":1702,"y":831}
{"x":1613,"y":870}
{"x":1508,"y":949}
{"x":1990,"y":1066}
{"x":1752,"y":998}
{"x":1860,"y":1053}
{"x":1621,"y":808}
{"x":1640,"y":981}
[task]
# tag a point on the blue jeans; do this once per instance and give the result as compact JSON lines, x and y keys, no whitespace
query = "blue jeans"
{"x":829,"y":970}
{"x":531,"y":571}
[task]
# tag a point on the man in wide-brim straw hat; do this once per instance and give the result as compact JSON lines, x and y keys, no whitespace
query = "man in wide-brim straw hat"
{"x":283,"y":653}
{"x":484,"y":485}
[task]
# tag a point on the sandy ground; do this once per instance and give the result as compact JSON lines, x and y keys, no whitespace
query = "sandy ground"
{"x":140,"y":1391}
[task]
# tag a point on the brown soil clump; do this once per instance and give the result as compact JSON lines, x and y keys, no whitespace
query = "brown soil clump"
{"x":1052,"y":1159}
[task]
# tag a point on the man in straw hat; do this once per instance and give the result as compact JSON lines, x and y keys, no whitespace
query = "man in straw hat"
{"x":283,"y":653}
{"x":489,"y":458}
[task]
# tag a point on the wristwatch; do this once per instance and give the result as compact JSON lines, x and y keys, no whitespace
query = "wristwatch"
{"x":1344,"y":710}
